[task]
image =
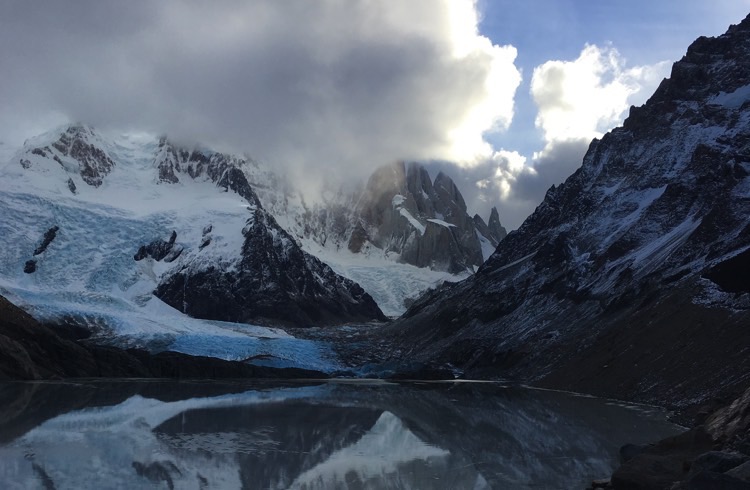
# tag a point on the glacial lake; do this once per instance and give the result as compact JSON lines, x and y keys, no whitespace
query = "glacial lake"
{"x":307,"y":435}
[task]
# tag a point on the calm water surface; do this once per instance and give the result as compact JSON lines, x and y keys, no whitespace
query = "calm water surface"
{"x":203,"y":435}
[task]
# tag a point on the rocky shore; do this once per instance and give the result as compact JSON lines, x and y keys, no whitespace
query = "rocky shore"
{"x":713,"y":455}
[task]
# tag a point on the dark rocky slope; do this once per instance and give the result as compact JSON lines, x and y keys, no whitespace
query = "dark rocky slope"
{"x":627,"y":279}
{"x":273,"y":282}
{"x":32,"y":351}
{"x":714,"y":454}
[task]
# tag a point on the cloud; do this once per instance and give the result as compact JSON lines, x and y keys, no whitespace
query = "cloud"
{"x":328,"y":87}
{"x":576,"y":101}
{"x":583,"y":98}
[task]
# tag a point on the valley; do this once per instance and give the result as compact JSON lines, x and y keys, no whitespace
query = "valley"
{"x":129,"y":255}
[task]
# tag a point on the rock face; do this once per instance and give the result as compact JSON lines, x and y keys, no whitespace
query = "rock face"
{"x":402,"y":211}
{"x":494,"y":232}
{"x":76,"y":150}
{"x":273,"y":281}
{"x":160,"y":250}
{"x":626,"y":281}
{"x":30,"y":266}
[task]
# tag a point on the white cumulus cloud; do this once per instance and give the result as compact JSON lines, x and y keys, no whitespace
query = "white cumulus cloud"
{"x":577,"y":100}
{"x":583,"y":98}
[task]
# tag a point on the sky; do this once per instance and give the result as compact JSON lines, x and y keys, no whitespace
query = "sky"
{"x":504,"y":96}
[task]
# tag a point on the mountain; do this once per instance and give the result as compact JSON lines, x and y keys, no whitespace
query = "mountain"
{"x":400,"y":214}
{"x":272,"y":271}
{"x":630,"y":279}
{"x":490,"y":233}
{"x":398,"y":235}
{"x":425,"y":223}
{"x":88,"y":215}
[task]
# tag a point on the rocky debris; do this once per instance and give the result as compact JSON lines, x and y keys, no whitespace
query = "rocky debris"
{"x":705,"y":457}
{"x":72,"y":186}
{"x":159,"y":250}
{"x":30,"y":266}
{"x":49,"y":235}
{"x":602,"y":290}
{"x":32,"y":351}
{"x":402,"y":211}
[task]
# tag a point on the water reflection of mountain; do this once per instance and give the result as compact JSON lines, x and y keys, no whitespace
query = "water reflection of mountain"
{"x":325,"y":436}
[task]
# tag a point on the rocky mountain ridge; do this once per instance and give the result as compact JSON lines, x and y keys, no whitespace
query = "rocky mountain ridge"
{"x":625,"y":280}
{"x":425,"y":223}
{"x":400,"y":214}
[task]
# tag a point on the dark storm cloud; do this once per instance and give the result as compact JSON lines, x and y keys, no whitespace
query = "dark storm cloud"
{"x":325,"y":86}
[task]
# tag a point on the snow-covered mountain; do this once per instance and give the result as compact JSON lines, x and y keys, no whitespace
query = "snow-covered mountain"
{"x":631,"y":277}
{"x":94,"y":224}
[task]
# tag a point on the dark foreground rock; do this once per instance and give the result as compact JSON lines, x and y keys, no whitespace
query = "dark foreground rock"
{"x":712,"y":455}
{"x":31,"y":351}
